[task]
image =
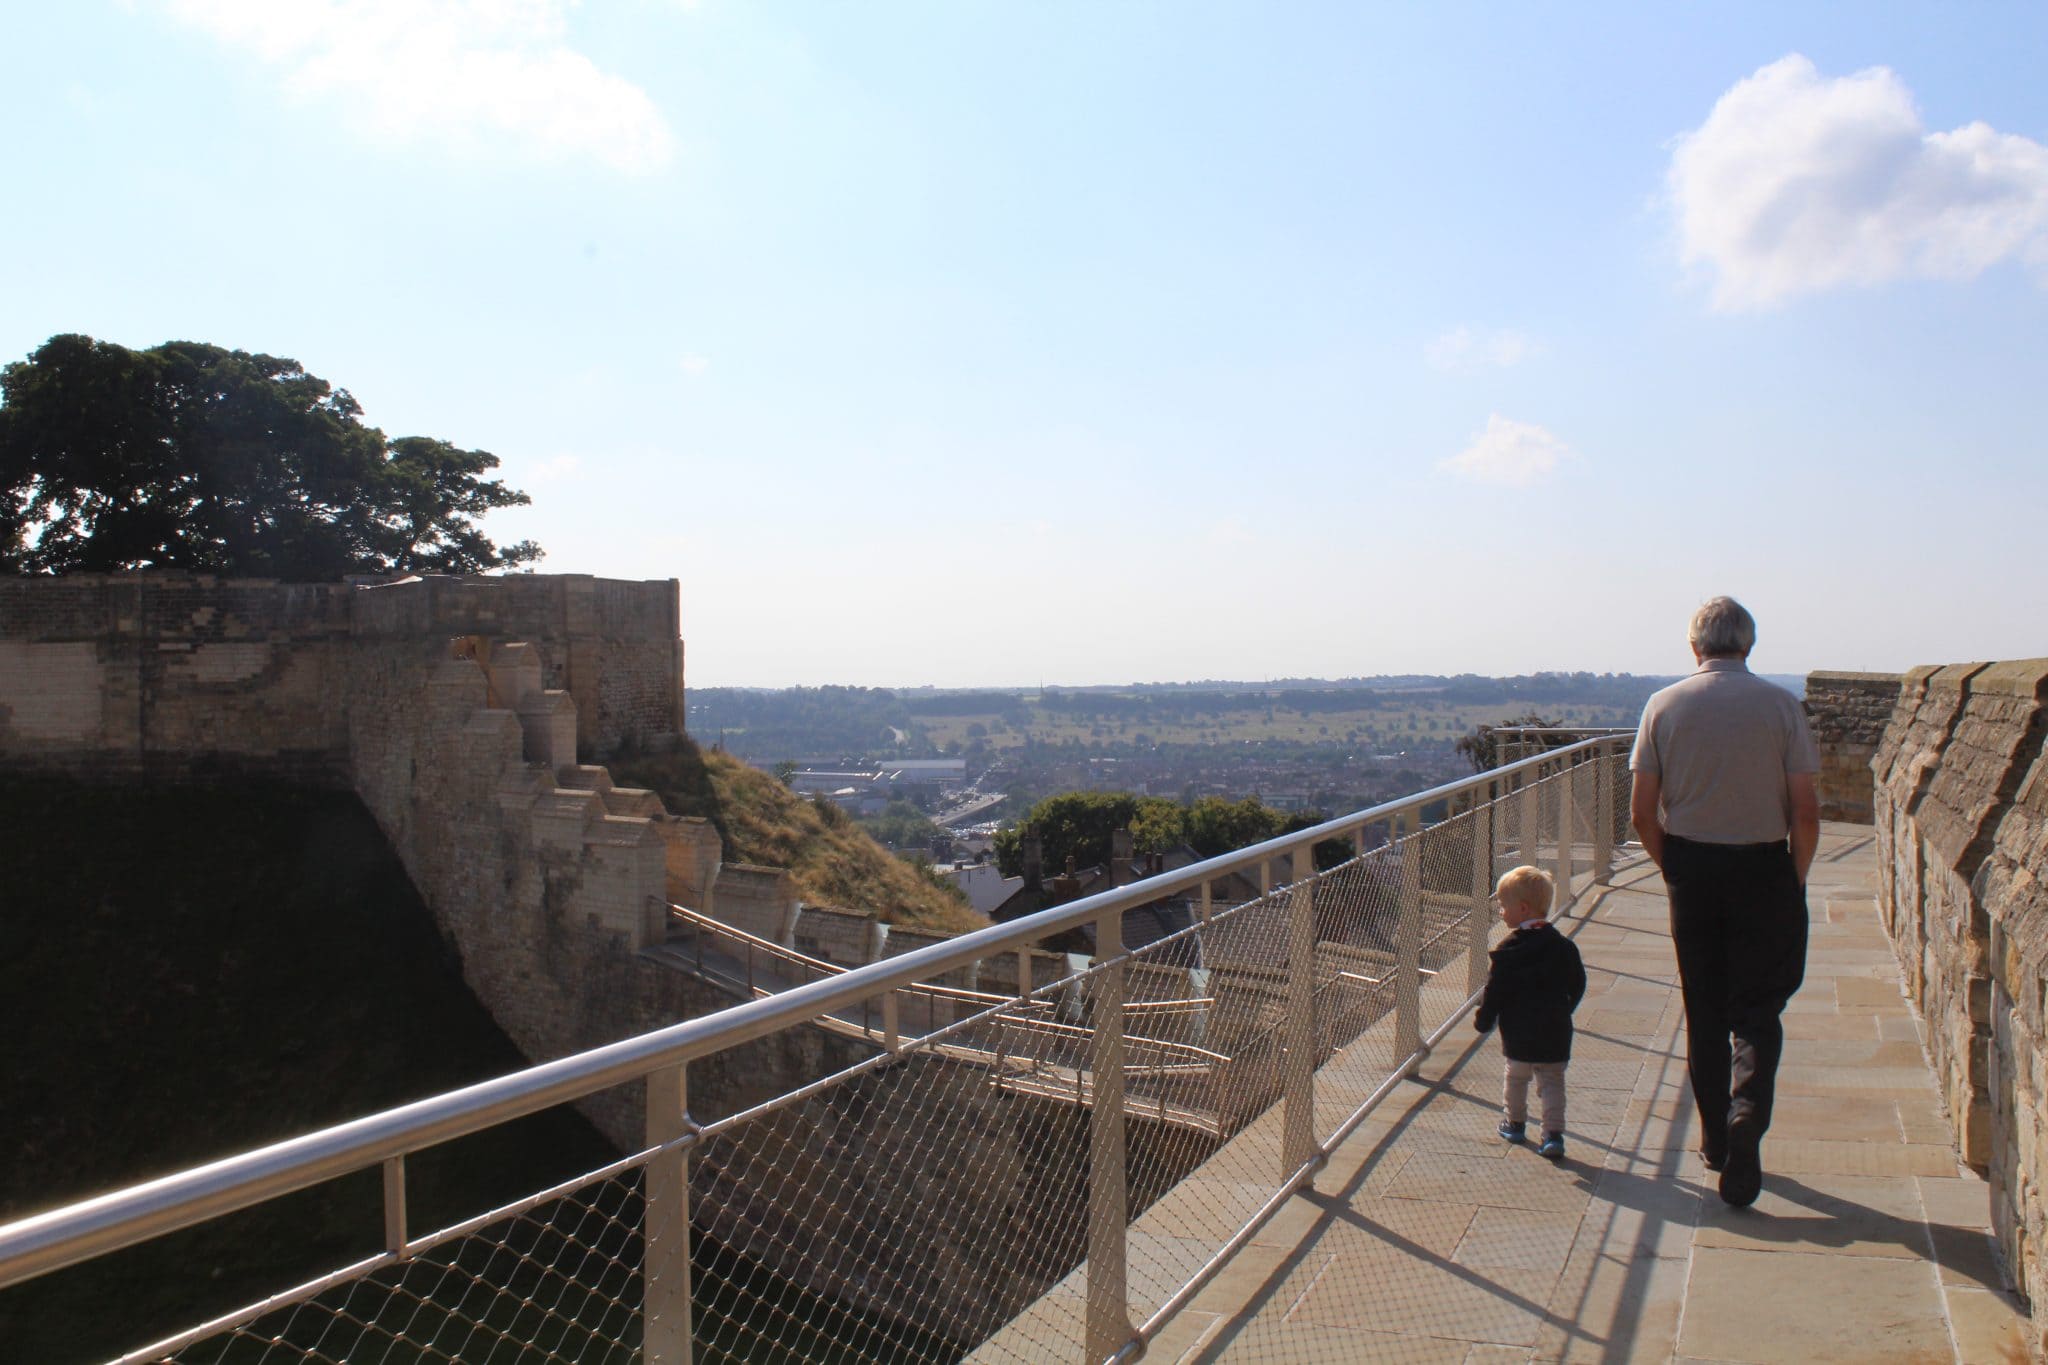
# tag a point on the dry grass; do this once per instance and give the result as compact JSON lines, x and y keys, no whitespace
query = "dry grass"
{"x":830,"y":858}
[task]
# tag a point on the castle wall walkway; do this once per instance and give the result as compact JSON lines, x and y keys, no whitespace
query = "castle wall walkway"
{"x":1427,"y":1239}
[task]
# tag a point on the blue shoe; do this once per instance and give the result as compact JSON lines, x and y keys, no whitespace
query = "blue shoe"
{"x":1514,"y":1132}
{"x":1553,"y":1146}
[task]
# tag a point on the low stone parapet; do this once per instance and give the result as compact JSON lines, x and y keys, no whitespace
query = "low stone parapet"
{"x":1960,"y":807}
{"x":1848,"y":713}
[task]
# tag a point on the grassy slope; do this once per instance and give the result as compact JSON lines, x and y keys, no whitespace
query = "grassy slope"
{"x":189,"y":973}
{"x":832,"y":861}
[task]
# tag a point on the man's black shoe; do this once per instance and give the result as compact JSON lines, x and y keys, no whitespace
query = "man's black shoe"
{"x":1742,"y":1173}
{"x":1713,"y":1160}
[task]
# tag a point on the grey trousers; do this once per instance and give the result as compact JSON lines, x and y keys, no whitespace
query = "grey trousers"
{"x":1549,"y":1077}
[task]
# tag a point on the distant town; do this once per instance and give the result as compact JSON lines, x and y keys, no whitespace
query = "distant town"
{"x":935,"y":773}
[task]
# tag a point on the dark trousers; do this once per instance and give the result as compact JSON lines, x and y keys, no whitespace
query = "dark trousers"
{"x":1738,"y":919}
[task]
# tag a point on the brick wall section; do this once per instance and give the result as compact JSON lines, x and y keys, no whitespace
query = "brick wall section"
{"x":1961,"y":816}
{"x":386,"y":690}
{"x":174,"y":676}
{"x":1937,"y":932}
{"x":845,"y":938}
{"x":1848,"y":713}
{"x":2013,"y":884}
{"x":757,"y":900}
{"x":611,"y":645}
{"x":896,"y":941}
{"x":191,"y":675}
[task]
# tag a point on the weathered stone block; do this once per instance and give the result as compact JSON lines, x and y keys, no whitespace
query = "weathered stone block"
{"x":1960,"y":810}
{"x":1848,"y":714}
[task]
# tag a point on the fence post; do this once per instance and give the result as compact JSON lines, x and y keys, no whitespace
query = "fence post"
{"x":1603,"y":813}
{"x":1109,"y":1322}
{"x":1298,"y":1037}
{"x":666,"y":1269}
{"x":1482,"y":887}
{"x":394,"y":1206}
{"x":1567,"y":798}
{"x":1408,"y":946}
{"x":1531,"y":815}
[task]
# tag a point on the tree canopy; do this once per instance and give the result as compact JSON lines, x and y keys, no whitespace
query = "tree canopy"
{"x":191,"y":456}
{"x":1478,"y":748}
{"x":1080,"y":824}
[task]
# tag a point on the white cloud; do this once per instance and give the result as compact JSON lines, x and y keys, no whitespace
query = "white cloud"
{"x":1797,"y":183}
{"x":1514,"y":454}
{"x":454,"y":71}
{"x":694,"y":364}
{"x":552,"y":470}
{"x":1463,"y":350}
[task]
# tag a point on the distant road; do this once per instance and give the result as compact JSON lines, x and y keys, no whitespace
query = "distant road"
{"x":960,"y":815}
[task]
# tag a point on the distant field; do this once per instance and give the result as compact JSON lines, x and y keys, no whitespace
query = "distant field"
{"x":1378,"y":725}
{"x":858,"y":724}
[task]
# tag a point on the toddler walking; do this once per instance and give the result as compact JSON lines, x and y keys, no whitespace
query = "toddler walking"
{"x":1536,"y":981}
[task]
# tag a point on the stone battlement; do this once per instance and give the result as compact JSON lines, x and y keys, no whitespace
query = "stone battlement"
{"x":1960,"y":797}
{"x":1848,"y":713}
{"x":460,"y":710}
{"x":187,"y":675}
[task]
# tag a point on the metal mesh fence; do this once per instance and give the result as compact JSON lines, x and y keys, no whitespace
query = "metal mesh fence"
{"x":557,"y":1280}
{"x":937,"y":1199}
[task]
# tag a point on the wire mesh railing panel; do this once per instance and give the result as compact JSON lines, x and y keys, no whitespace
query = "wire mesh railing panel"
{"x":938,"y":1189}
{"x":556,"y":1282}
{"x":1242,"y":970}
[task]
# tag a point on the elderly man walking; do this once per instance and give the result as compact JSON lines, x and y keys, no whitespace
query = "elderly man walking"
{"x":1724,"y":802}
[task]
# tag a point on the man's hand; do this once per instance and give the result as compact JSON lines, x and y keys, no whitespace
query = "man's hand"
{"x":1642,"y":812}
{"x":1805,"y":802}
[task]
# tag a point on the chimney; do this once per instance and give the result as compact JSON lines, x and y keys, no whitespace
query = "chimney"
{"x":1120,"y":869}
{"x":1034,"y":861}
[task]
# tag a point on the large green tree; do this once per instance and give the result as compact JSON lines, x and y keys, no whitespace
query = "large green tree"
{"x":1080,"y":824}
{"x":195,"y":457}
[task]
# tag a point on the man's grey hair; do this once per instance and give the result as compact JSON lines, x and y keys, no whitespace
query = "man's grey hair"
{"x":1722,"y":627}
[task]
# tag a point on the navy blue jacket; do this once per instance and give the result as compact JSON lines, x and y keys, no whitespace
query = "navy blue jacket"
{"x":1536,"y":982}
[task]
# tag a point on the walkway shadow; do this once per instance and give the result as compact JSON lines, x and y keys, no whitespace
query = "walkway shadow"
{"x":1854,"y":846}
{"x":1838,"y":1223}
{"x":1336,"y":1210}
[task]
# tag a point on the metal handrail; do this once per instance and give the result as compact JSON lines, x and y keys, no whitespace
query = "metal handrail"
{"x":1592,"y":731}
{"x":818,"y":966}
{"x":52,"y":1240}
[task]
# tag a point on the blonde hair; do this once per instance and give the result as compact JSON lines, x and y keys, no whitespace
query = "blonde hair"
{"x":1525,"y":885}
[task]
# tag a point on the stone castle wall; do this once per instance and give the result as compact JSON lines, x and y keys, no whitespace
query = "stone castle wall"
{"x":440,"y":702}
{"x":459,"y":711}
{"x":1848,"y":713}
{"x":180,"y":675}
{"x":1960,"y":806}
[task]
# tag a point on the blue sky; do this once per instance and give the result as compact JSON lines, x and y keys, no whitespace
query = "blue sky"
{"x":976,"y":343}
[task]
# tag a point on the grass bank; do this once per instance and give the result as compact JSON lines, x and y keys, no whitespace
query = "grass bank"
{"x":830,"y":858}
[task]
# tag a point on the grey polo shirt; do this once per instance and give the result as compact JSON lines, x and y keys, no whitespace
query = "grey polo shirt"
{"x":1722,"y":743}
